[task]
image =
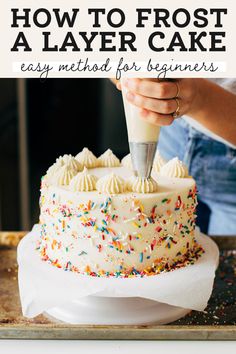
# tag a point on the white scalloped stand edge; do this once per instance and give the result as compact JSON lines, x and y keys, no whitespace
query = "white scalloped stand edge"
{"x":82,"y":299}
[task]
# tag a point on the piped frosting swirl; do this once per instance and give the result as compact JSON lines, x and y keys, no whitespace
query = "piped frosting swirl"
{"x":108,"y":159}
{"x":127,"y":162}
{"x":159,"y":162}
{"x":111,"y":184}
{"x":54,"y":168}
{"x":175,"y":169}
{"x":83,"y":182}
{"x":68,"y":160}
{"x":87,"y":158}
{"x":142,"y":185}
{"x":63,"y":176}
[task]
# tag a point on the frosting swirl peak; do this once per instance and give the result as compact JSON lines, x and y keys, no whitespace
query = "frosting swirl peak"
{"x":111,"y":184}
{"x":63,"y":176}
{"x":127,"y":162}
{"x":108,"y":159}
{"x":87,"y":158}
{"x":61,"y":161}
{"x":54,"y":168}
{"x":175,"y":169}
{"x":159,"y":162}
{"x":70,"y":161}
{"x":142,"y":185}
{"x":83,"y":182}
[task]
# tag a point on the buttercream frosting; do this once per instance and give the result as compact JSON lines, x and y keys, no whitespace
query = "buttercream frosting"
{"x":83,"y":182}
{"x":68,"y":160}
{"x":127,"y":162}
{"x":111,"y":184}
{"x":87,"y":158}
{"x":108,"y":159}
{"x":54,"y":168}
{"x":142,"y":185}
{"x":158,"y":162}
{"x":175,"y":168}
{"x":63,"y":176}
{"x":72,"y":163}
{"x":64,"y":159}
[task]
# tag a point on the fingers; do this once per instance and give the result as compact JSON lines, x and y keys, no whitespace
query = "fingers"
{"x":155,"y":99}
{"x":156,"y":118}
{"x":113,"y":80}
{"x":153,"y":89}
{"x":151,"y":104}
{"x":117,"y":83}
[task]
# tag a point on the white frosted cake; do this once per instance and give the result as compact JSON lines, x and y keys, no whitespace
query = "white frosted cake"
{"x":99,"y":220}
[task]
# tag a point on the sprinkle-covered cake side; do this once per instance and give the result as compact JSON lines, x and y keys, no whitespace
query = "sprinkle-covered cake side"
{"x":112,"y":231}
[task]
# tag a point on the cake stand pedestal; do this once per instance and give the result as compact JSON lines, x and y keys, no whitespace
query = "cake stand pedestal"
{"x":98,"y":310}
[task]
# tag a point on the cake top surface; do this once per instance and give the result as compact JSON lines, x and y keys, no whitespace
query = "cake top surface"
{"x":110,"y":177}
{"x":165,"y":184}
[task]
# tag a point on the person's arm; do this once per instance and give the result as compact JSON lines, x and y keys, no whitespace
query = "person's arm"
{"x":206,"y":102}
{"x":215,"y":109}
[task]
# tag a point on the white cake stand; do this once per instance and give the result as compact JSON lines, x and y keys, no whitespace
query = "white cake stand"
{"x":116,"y":311}
{"x":43,"y":286}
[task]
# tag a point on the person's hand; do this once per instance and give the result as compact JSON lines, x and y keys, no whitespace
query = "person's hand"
{"x":160,"y":101}
{"x":117,"y":83}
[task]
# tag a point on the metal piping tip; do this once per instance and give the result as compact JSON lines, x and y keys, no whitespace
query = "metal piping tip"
{"x":142,"y":156}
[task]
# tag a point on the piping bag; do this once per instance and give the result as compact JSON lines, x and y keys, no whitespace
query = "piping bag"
{"x":143,"y":138}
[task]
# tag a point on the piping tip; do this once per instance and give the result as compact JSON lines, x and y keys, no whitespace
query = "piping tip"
{"x":142,"y":156}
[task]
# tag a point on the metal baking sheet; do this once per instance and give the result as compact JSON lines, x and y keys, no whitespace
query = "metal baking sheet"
{"x":217,"y":322}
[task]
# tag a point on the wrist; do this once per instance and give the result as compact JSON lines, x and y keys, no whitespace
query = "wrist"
{"x":200,"y":95}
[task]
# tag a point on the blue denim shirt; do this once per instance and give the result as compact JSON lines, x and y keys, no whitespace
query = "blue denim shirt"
{"x":213,"y":165}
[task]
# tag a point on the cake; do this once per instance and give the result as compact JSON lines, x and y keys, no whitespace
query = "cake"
{"x":98,"y":219}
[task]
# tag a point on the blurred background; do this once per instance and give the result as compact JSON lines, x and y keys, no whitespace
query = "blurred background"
{"x":40,"y":121}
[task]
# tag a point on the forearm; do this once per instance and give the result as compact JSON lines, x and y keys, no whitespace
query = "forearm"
{"x":215,"y":109}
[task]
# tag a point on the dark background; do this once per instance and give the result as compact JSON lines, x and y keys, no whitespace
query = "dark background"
{"x":63,"y":116}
